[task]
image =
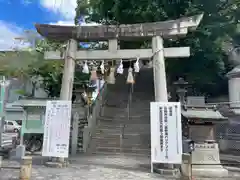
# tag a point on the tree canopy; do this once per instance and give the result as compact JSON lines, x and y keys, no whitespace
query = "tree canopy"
{"x":29,"y":64}
{"x":208,"y":64}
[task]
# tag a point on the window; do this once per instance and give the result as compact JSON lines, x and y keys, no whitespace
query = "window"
{"x":10,"y":123}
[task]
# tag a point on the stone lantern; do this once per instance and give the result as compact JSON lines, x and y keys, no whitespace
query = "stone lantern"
{"x":181,"y":90}
{"x":181,"y":85}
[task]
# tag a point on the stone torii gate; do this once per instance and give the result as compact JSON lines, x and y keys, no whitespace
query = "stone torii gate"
{"x":111,"y":33}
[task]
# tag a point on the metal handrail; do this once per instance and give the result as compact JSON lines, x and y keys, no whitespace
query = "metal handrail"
{"x":128,"y":108}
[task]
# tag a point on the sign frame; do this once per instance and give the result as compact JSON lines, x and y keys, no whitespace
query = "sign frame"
{"x":57,"y":129}
{"x":166,"y":126}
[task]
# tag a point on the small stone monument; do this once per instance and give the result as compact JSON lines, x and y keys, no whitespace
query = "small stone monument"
{"x":202,"y":120}
{"x":199,"y":122}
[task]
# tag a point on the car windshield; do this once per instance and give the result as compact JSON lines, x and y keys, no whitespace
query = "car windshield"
{"x":19,"y":122}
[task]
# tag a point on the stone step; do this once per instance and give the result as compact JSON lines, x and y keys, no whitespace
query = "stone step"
{"x":126,"y":130}
{"x":125,"y":139}
{"x":126,"y":136}
{"x":133,"y":108}
{"x":136,"y":140}
{"x":120,"y":125}
{"x":116,"y":126}
{"x":123,"y":146}
{"x":123,"y":143}
{"x":119,"y":122}
{"x":121,"y":154}
{"x":118,"y":138}
{"x":120,"y":143}
{"x":133,"y":115}
{"x":113,"y":124}
{"x":131,"y":120}
{"x":124,"y":150}
{"x":123,"y":117}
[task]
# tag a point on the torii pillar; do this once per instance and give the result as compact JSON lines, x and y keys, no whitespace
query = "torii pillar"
{"x":159,"y":72}
{"x":157,"y":31}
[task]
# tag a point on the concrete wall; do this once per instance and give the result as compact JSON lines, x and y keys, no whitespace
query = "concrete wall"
{"x":234,"y":91}
{"x":14,"y":115}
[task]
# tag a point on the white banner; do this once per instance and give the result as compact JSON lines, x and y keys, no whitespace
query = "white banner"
{"x":57,"y":129}
{"x":166,"y":132}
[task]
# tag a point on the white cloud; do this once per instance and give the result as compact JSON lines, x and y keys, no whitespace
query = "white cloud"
{"x":71,"y":23}
{"x":8,"y":33}
{"x":65,"y":7}
{"x":64,"y":23}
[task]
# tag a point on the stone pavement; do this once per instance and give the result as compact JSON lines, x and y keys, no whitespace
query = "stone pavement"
{"x":94,"y":168}
{"x":89,"y":168}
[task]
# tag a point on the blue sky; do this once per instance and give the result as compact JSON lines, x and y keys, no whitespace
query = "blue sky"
{"x":19,"y":15}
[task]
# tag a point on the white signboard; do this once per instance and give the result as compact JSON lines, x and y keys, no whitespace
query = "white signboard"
{"x":166,"y":133}
{"x":57,"y":129}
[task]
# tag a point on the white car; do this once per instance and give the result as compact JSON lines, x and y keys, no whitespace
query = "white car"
{"x":11,"y":126}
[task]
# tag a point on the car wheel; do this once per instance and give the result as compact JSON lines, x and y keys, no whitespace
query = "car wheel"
{"x":36,"y":146}
{"x":16,"y":130}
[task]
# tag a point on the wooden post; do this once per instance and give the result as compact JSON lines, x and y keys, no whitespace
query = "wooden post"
{"x":26,"y":168}
{"x":68,"y":74}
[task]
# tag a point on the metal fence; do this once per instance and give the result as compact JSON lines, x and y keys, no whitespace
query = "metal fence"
{"x":228,"y":137}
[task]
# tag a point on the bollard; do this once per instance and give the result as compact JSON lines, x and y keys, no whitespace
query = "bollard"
{"x":186,"y":167}
{"x":1,"y":159}
{"x":26,"y":168}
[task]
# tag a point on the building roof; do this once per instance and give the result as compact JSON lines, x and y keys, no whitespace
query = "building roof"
{"x":13,"y":107}
{"x":203,"y":113}
{"x":122,"y":32}
{"x":30,"y":103}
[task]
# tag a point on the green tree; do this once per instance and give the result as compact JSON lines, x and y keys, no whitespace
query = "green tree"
{"x":208,"y":64}
{"x":29,"y":64}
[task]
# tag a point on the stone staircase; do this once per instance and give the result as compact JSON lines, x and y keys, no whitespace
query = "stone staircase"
{"x":124,"y":124}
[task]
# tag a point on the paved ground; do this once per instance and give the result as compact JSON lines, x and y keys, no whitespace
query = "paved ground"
{"x":90,"y":168}
{"x":95,"y":168}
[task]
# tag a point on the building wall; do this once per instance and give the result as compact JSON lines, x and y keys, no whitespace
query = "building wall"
{"x":16,"y":85}
{"x":14,"y":115}
{"x":12,"y":96}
